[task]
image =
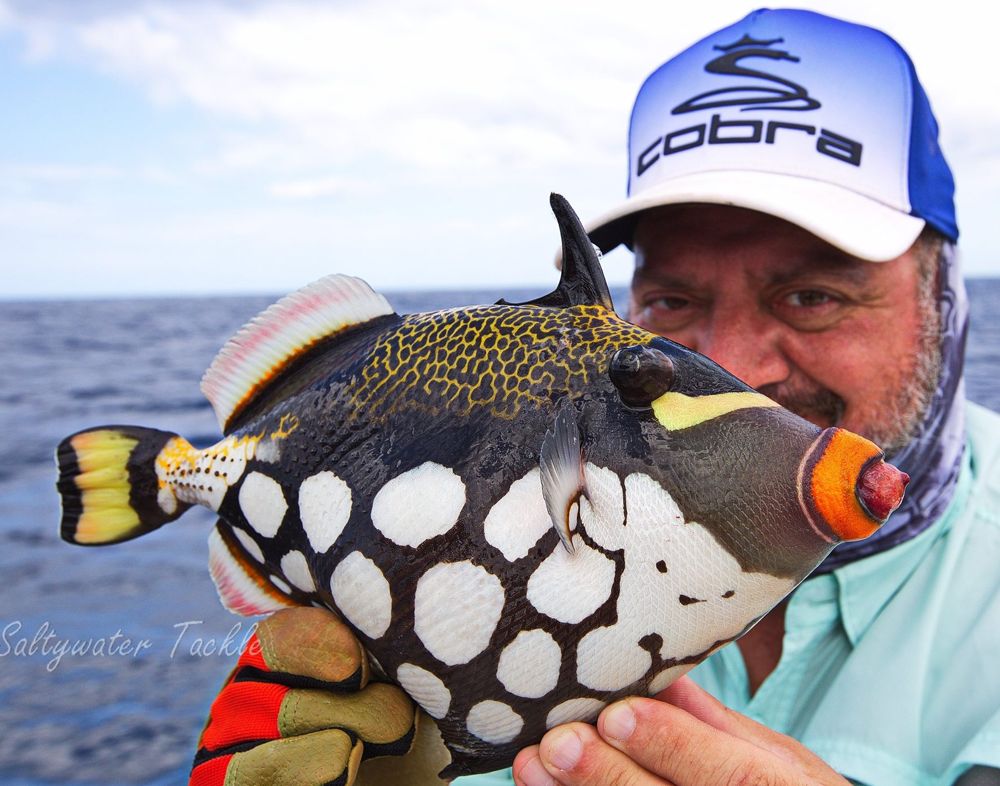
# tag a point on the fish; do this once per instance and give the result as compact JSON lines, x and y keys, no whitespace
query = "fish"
{"x":524,"y":511}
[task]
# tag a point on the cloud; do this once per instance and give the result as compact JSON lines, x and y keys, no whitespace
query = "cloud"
{"x":425,"y":124}
{"x":59,"y":173}
{"x":428,"y":87}
{"x":318,"y":188}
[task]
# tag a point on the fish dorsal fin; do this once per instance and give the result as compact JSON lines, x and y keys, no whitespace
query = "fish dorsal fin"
{"x":582,"y":281}
{"x":561,"y":473}
{"x":271,"y":340}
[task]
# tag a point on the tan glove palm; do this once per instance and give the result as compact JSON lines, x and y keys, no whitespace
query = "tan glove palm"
{"x":299,"y":709}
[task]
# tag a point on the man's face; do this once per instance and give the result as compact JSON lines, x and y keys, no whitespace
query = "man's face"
{"x":837,"y":340}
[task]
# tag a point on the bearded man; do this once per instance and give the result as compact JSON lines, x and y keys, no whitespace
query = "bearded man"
{"x":792,"y":218}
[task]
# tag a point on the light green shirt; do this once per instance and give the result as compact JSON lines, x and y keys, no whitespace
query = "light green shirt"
{"x":890,"y":666}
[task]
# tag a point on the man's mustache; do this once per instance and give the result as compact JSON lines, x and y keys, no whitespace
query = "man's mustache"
{"x":814,"y":403}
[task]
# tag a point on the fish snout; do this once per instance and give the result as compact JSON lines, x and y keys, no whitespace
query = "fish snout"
{"x":846,"y":489}
{"x":880,"y":489}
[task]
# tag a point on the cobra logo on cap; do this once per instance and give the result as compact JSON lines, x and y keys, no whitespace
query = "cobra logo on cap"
{"x":793,"y":97}
{"x":776,"y":93}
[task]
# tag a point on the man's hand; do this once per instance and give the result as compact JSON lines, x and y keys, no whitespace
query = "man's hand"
{"x":684,"y":737}
{"x":299,"y":709}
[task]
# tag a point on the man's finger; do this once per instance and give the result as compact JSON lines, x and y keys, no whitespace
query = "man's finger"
{"x":243,"y":712}
{"x":575,"y":755}
{"x":528,"y":769}
{"x":381,"y":715}
{"x":679,"y":747}
{"x":305,"y":647}
{"x":325,"y":758}
{"x":687,"y":695}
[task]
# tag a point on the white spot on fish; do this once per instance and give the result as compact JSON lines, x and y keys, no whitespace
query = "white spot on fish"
{"x":653,"y":515}
{"x":529,"y":665}
{"x":263,"y":503}
{"x":268,"y":450}
{"x":602,"y":510}
{"x":419,"y":504}
{"x":705,"y":571}
{"x":425,"y":688}
{"x":216,"y":469}
{"x":249,"y":544}
{"x":610,"y":658}
{"x":494,"y":722}
{"x":166,"y":500}
{"x":516,"y":522}
{"x":324,"y":507}
{"x":570,"y":587}
{"x":651,"y":509}
{"x":667,"y":676}
{"x":456,"y":609}
{"x":668,"y":562}
{"x":229,"y":457}
{"x":281,"y":584}
{"x":296,"y":570}
{"x":574,"y":710}
{"x":362,"y":594}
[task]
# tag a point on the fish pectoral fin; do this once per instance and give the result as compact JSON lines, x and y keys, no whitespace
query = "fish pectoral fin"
{"x":274,"y":338}
{"x":582,"y":281}
{"x":561,"y":472}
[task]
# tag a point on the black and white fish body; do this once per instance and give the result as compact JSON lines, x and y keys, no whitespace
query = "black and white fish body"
{"x":524,"y":511}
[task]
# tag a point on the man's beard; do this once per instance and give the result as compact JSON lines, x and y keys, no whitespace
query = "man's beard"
{"x":903,"y":417}
{"x":899,"y":419}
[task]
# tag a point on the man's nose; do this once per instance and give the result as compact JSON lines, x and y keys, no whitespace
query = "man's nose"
{"x":747,"y":346}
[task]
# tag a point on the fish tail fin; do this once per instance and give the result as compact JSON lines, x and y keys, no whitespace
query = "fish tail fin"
{"x":110,"y":486}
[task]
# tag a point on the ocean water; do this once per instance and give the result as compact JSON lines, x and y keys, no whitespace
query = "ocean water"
{"x":109,"y":658}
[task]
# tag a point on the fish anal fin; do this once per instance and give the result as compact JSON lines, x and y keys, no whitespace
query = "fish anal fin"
{"x":269,"y":342}
{"x":241,"y":587}
{"x":561,"y":473}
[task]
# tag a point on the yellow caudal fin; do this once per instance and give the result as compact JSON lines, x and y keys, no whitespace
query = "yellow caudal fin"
{"x":109,"y":485}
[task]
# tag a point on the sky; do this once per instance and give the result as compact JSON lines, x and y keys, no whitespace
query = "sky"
{"x":178,"y":147}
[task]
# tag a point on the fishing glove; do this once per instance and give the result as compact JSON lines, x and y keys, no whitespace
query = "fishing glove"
{"x":299,"y":709}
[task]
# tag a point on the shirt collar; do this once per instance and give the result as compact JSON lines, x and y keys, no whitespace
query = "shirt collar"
{"x":866,"y":585}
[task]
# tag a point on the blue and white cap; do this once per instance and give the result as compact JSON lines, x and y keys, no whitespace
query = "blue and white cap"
{"x":814,"y":120}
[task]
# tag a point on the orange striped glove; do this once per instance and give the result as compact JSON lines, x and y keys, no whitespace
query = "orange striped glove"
{"x":299,"y":709}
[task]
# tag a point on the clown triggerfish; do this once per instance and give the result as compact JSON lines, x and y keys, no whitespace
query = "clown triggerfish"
{"x":524,"y":511}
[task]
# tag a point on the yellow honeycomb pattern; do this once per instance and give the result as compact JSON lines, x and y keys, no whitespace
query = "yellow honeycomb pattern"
{"x":501,"y":358}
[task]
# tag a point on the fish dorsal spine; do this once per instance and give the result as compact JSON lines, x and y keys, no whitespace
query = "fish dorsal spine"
{"x":265,"y":346}
{"x":582,"y":281}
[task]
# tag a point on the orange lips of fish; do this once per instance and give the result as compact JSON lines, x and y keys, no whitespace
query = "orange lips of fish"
{"x":840,"y":459}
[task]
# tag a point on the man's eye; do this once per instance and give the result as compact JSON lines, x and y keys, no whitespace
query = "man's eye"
{"x":669,"y":303}
{"x":807,"y":298}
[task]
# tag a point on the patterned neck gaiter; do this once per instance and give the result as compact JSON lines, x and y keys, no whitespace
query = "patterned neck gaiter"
{"x":933,"y":457}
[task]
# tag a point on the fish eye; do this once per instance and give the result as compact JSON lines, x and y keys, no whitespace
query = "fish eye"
{"x":641,"y":375}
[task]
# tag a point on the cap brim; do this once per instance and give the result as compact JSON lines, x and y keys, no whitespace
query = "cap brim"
{"x":856,"y":224}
